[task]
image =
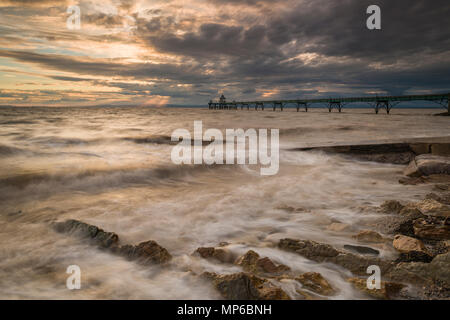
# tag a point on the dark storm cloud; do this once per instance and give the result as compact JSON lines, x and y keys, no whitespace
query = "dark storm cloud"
{"x":252,"y":46}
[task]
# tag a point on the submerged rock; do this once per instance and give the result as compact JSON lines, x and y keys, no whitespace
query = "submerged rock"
{"x":391,"y":206}
{"x":315,"y":282}
{"x":219,"y":254}
{"x":362,"y":250}
{"x":387,"y":290}
{"x":368,"y":236}
{"x":98,"y":236}
{"x":244,"y":286}
{"x":339,"y":227}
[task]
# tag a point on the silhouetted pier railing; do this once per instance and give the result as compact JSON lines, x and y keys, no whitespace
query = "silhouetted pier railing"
{"x":377,"y":102}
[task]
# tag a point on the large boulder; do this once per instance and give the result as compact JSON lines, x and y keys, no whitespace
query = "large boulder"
{"x":84,"y":230}
{"x":315,"y":282}
{"x":244,"y":286}
{"x":148,"y":252}
{"x":427,"y":164}
{"x":406,"y":244}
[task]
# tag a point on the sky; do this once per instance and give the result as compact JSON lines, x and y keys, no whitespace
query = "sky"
{"x":186,"y":52}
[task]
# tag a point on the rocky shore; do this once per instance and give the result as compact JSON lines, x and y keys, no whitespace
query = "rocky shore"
{"x":418,"y":231}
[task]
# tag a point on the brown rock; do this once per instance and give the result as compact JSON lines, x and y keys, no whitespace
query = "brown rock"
{"x":437,"y":271}
{"x":100,"y":237}
{"x":432,"y":207}
{"x":244,"y":286}
{"x":251,"y":262}
{"x":368,"y":236}
{"x":442,"y":198}
{"x":432,"y":228}
{"x":426,"y":164}
{"x":148,"y":252}
{"x":406,"y":244}
{"x":440,"y":149}
{"x":387,"y":289}
{"x":320,"y":252}
{"x":316,"y":282}
{"x":338,"y":227}
{"x":219,"y":254}
{"x":391,"y":206}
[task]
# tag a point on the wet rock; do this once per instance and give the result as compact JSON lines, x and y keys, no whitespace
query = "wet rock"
{"x":387,"y":290}
{"x":419,"y":273}
{"x":391,"y":206}
{"x":244,"y":286}
{"x":433,"y":207}
{"x":432,"y":228}
{"x":406,"y":244}
{"x":434,"y":178}
{"x":145,"y":252}
{"x":410,"y":210}
{"x":100,"y":237}
{"x":291,"y":209}
{"x":219,"y":254}
{"x":426,"y":164}
{"x":362,"y":250}
{"x":414,"y":256}
{"x":315,"y":282}
{"x":440,"y":149}
{"x":442,"y":198}
{"x":325,"y":253}
{"x":396,"y":225}
{"x":338,"y":227}
{"x":149,"y":252}
{"x":368,"y":236}
{"x":251,"y":262}
{"x":309,"y":249}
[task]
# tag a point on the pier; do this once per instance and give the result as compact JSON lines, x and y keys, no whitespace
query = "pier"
{"x":377,"y":102}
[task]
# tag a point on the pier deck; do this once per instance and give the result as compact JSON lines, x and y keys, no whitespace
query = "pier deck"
{"x":377,"y":102}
